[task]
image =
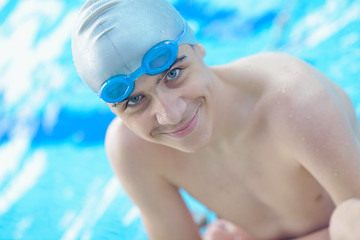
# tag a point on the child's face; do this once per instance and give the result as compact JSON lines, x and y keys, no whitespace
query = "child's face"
{"x":172,"y":108}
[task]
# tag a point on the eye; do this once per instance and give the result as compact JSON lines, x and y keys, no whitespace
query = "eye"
{"x":173,"y":74}
{"x":134,"y":100}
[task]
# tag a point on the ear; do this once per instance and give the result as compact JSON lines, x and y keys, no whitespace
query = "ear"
{"x":200,"y":49}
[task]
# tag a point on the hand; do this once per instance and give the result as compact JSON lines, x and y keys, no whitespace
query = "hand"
{"x":224,"y":230}
{"x":345,"y":221}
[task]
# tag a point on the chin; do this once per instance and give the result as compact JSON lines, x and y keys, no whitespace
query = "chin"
{"x":198,"y":141}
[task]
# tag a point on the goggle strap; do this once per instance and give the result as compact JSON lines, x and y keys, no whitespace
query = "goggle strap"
{"x":137,"y":73}
{"x":188,"y":37}
{"x":181,"y":36}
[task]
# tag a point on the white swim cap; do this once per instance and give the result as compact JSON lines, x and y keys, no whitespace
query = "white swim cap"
{"x":111,"y":37}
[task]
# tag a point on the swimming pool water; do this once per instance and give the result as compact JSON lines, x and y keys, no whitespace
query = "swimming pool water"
{"x":55,"y":182}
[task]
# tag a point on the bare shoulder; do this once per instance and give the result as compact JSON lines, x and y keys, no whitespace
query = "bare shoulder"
{"x":137,"y":163}
{"x":286,"y":82}
{"x":274,"y":58}
{"x":135,"y":160}
{"x":300,"y":91}
{"x":290,"y":86}
{"x":264,"y":61}
{"x":128,"y":152}
{"x":139,"y":166}
{"x":119,"y":143}
{"x":270,"y":71}
{"x":299,"y":102}
{"x":314,"y":121}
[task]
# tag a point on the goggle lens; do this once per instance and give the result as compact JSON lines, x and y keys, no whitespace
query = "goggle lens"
{"x":116,"y":89}
{"x":160,"y":57}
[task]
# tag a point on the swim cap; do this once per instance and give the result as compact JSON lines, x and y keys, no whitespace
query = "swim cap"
{"x":110,"y":37}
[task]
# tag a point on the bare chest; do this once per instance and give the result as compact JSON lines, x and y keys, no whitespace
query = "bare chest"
{"x":267,"y":195}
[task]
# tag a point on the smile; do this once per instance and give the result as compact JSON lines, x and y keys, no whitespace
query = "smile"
{"x":185,"y":129}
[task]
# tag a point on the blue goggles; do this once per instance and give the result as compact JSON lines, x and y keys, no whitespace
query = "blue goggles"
{"x":158,"y":59}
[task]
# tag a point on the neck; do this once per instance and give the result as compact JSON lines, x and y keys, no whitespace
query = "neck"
{"x":232,"y":105}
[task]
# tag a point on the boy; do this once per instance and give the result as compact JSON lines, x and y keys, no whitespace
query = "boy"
{"x":267,"y":142}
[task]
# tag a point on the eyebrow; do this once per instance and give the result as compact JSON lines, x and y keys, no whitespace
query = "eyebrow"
{"x":179,"y":59}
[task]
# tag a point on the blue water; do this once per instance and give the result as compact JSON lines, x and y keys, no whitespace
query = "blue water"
{"x":55,"y":181}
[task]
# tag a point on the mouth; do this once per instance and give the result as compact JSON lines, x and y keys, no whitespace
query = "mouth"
{"x":185,"y":129}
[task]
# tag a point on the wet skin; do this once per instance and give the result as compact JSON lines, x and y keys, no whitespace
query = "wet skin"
{"x":252,"y":140}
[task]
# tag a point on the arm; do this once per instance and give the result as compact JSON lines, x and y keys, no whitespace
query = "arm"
{"x":322,"y":234}
{"x":324,"y":136}
{"x":163,"y":211}
{"x":345,"y":221}
{"x":225,"y":230}
{"x":323,"y":133}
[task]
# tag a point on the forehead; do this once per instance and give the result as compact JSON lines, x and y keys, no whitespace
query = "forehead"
{"x":186,"y":49}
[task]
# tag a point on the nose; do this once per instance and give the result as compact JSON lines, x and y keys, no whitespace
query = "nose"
{"x":169,"y":109}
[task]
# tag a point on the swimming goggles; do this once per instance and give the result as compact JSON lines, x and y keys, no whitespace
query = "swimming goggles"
{"x":158,"y":59}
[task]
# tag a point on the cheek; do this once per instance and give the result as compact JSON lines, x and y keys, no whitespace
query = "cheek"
{"x":199,"y":85}
{"x":140,"y":125}
{"x":201,"y":76}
